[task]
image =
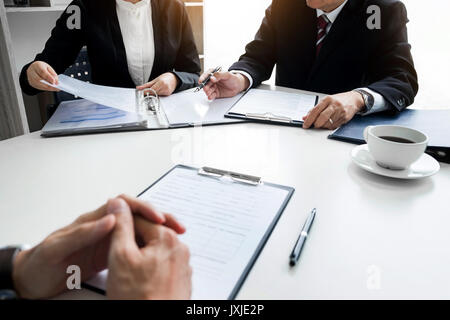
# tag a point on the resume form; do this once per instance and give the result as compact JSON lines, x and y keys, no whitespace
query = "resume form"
{"x":227,"y":224}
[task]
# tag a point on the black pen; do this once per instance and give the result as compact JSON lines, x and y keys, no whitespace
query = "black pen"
{"x":204,"y":83}
{"x":295,"y":255}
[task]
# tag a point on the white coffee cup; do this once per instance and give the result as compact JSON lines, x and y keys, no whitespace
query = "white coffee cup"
{"x":395,"y":147}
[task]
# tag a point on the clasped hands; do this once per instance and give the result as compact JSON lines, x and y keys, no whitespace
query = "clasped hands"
{"x":330,"y":113}
{"x":135,"y":242}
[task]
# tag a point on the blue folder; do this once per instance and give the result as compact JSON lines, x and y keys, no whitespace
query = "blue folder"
{"x":434,"y":123}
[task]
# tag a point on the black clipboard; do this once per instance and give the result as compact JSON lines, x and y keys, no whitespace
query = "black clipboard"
{"x":267,"y":118}
{"x":240,"y":178}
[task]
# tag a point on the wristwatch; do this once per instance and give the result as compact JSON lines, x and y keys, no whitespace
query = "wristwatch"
{"x":7,"y":256}
{"x":369,"y":100}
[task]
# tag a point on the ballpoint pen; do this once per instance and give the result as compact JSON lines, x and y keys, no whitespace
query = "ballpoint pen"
{"x":204,"y":83}
{"x":295,"y":255}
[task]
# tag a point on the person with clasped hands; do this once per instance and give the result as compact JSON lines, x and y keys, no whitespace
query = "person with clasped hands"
{"x":331,"y":47}
{"x":136,"y":243}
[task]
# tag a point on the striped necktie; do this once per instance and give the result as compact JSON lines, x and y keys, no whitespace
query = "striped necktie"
{"x":322,"y":25}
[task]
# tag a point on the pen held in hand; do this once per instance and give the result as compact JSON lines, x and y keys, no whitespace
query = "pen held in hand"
{"x":206,"y":81}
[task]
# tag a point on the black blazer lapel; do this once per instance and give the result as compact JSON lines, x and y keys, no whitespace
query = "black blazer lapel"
{"x":121,"y":66}
{"x":158,"y":16}
{"x":338,"y":32}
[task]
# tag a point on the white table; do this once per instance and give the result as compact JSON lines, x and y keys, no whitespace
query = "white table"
{"x":373,"y":238}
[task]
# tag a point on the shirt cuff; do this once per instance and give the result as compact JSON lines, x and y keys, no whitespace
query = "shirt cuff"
{"x":245,"y":74}
{"x":379,"y":104}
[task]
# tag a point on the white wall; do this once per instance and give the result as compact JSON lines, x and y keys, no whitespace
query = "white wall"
{"x":229,"y":26}
{"x":430,"y":39}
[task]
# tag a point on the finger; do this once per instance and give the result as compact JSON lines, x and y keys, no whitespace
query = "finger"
{"x":45,"y":75}
{"x":92,"y":216}
{"x":157,"y":87}
{"x":35,"y":81}
{"x":81,"y":236}
{"x":315,"y":112}
{"x":147,"y":85}
{"x":144,"y":208}
{"x":122,"y":238}
{"x":205,"y":75}
{"x":53,"y":73}
{"x":174,"y":224}
{"x":213,"y":96}
{"x":145,"y":231}
{"x":209,"y":89}
{"x":324,"y":117}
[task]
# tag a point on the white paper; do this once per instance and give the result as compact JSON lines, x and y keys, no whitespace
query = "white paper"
{"x":81,"y":115}
{"x":194,"y":108}
{"x":225,"y":223}
{"x":187,"y":107}
{"x":119,"y":98}
{"x":275,"y":103}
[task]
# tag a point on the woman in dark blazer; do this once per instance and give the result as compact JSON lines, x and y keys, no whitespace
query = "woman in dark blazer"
{"x":130,"y":43}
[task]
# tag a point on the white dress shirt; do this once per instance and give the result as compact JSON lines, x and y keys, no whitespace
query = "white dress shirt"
{"x":379,"y":101}
{"x":136,"y":25}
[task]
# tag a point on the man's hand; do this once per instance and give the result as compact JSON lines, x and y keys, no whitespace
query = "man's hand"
{"x":224,"y":84}
{"x":158,"y":270}
{"x":40,"y":272}
{"x":164,"y":85}
{"x":38,"y":71}
{"x":339,"y":108}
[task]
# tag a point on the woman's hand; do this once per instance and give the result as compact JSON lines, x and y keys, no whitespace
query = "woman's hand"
{"x":38,"y":71}
{"x":164,"y":85}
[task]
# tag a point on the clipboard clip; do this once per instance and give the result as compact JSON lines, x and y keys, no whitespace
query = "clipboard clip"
{"x":149,"y":104}
{"x":238,"y":177}
{"x":268,"y":116}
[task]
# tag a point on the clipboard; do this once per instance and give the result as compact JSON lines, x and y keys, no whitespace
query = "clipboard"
{"x":233,"y":266}
{"x":274,"y":107}
{"x":135,"y":110}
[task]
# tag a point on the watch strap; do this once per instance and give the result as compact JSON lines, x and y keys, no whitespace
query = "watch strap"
{"x":7,"y":256}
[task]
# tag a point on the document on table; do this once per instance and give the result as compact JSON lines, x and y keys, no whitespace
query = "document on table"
{"x":227,"y":226}
{"x":277,"y":106}
{"x":186,"y":108}
{"x":120,"y":98}
{"x":80,"y":116}
{"x":193,"y":108}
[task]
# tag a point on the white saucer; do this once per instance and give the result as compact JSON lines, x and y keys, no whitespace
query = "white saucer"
{"x":426,"y":166}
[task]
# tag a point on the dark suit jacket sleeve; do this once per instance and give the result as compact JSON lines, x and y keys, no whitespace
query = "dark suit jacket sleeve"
{"x":260,"y":54}
{"x":392,"y":71}
{"x":187,"y":58}
{"x":61,"y":48}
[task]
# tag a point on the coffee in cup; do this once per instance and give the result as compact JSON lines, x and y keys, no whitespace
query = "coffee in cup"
{"x":395,"y":147}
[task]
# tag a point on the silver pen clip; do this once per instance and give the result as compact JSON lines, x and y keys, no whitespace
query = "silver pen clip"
{"x":268,"y":117}
{"x":238,"y":177}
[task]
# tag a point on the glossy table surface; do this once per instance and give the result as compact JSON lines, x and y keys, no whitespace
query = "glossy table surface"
{"x":373,"y":238}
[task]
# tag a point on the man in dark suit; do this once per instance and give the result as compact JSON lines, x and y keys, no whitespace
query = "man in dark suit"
{"x":334,"y":47}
